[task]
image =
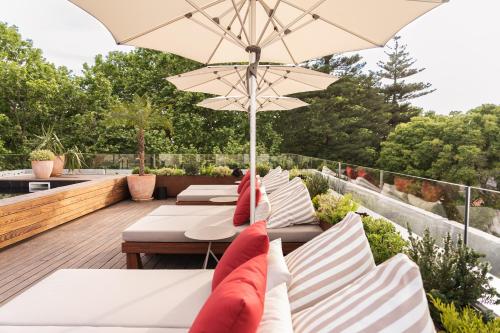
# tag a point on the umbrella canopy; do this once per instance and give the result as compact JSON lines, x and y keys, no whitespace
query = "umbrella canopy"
{"x":271,"y":80}
{"x":276,"y":31}
{"x":287,"y":31}
{"x":241,"y":103}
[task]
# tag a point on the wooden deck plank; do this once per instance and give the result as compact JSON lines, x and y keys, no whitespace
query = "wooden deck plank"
{"x":92,"y":241}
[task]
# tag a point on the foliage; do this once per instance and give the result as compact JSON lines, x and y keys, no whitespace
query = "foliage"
{"x":147,"y":171}
{"x":169,"y":172}
{"x":262,"y":169}
{"x":141,"y":115}
{"x":465,"y":320}
{"x":332,"y":209}
{"x":397,"y":91}
{"x":50,"y":141}
{"x":385,"y":241}
{"x":74,"y":159}
{"x":191,"y":165}
{"x":462,"y":148}
{"x":41,"y":155}
{"x":316,"y":184}
{"x":296,"y":172}
{"x":216,"y":171}
{"x":454,"y":273}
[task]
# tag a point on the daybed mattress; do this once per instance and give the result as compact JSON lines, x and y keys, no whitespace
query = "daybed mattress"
{"x":205,"y":195}
{"x":111,"y":298}
{"x":213,"y":187}
{"x":201,"y":210}
{"x":88,"y":329}
{"x":172,"y":229}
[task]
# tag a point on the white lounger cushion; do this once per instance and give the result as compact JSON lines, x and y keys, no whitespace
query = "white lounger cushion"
{"x":190,"y":210}
{"x":390,"y":298}
{"x":277,"y":270}
{"x":88,"y":329}
{"x":205,"y":195}
{"x":112,"y":298}
{"x":328,"y":263}
{"x":172,"y":229}
{"x":213,"y":187}
{"x":263,"y":209}
{"x":276,"y":317}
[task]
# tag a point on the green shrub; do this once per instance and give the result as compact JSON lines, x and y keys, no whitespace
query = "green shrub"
{"x":262,"y":169}
{"x":42,"y":155}
{"x":169,"y":172}
{"x":191,"y":165}
{"x":135,"y":171}
{"x":385,"y":241}
{"x":317,"y":184}
{"x":454,"y":273}
{"x":216,"y":171}
{"x":332,"y":209}
{"x":464,"y":321}
{"x":296,"y":172}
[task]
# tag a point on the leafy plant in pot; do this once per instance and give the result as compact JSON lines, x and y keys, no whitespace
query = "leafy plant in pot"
{"x":71,"y":158}
{"x":42,"y":162}
{"x":141,"y":115}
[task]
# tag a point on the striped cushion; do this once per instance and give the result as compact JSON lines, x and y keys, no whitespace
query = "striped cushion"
{"x":278,"y":196}
{"x":273,"y":172}
{"x":276,"y":181}
{"x":263,"y":209}
{"x":390,"y":298}
{"x":296,"y":208}
{"x":328,"y":263}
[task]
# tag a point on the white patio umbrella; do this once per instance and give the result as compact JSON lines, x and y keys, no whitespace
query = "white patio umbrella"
{"x":279,"y":31}
{"x":242,"y":103}
{"x":272,"y":80}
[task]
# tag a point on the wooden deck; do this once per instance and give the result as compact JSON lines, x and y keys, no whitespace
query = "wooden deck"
{"x":92,"y":241}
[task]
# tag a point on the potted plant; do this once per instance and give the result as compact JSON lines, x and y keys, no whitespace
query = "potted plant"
{"x":42,"y":162}
{"x":141,"y":115}
{"x":71,"y":158}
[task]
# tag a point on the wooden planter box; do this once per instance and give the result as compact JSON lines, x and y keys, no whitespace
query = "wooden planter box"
{"x":177,"y":184}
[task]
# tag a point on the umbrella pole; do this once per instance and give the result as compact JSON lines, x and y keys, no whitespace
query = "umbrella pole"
{"x":252,"y":85}
{"x":253,"y":124}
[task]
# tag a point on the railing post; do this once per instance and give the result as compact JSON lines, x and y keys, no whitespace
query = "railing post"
{"x":466,"y":213}
{"x":340,"y":170}
{"x":381,"y":180}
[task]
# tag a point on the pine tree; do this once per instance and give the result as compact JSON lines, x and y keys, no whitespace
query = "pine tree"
{"x":397,"y":91}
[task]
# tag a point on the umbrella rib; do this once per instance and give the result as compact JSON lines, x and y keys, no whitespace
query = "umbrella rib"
{"x":237,"y":11}
{"x":233,"y":86}
{"x":242,"y":80}
{"x":245,"y":19}
{"x":225,"y":31}
{"x":208,"y":80}
{"x":212,"y":54}
{"x":366,"y":39}
{"x":270,"y":13}
{"x":273,"y":36}
{"x":263,"y":75}
{"x":126,"y":40}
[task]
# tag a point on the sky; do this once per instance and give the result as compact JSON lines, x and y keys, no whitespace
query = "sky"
{"x":458,"y":43}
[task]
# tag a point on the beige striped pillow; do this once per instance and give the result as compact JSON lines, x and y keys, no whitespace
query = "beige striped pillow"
{"x":390,"y":298}
{"x":276,"y":181}
{"x":277,"y":197}
{"x":328,"y":263}
{"x":272,"y":172}
{"x":296,"y":208}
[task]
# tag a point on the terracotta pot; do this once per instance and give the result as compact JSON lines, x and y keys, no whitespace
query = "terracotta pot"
{"x":42,"y":169}
{"x":58,"y":168}
{"x":141,"y":187}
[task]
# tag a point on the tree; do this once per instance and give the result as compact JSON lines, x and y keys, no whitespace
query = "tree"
{"x":397,"y":91}
{"x":460,"y":148}
{"x":140,"y":115}
{"x":345,"y":122}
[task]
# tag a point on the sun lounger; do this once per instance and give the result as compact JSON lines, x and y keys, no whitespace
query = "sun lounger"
{"x":207,"y":210}
{"x":164,"y":234}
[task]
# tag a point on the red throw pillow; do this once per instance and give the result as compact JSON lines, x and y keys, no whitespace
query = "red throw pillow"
{"x":244,"y":180}
{"x":237,"y":304}
{"x":242,"y":210}
{"x":251,"y":242}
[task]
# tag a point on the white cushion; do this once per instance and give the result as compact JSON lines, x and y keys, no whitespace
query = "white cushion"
{"x":111,"y":298}
{"x":193,"y":210}
{"x":277,"y":270}
{"x":263,"y":209}
{"x":276,"y":317}
{"x":205,"y":195}
{"x":328,"y":263}
{"x":88,"y":329}
{"x":213,"y":187}
{"x":390,"y":298}
{"x":276,"y":181}
{"x":296,"y":208}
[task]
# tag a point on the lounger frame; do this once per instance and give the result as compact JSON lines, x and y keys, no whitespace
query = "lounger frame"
{"x":133,"y":250}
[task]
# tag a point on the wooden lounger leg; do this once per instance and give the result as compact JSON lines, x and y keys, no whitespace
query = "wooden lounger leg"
{"x":134,"y":261}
